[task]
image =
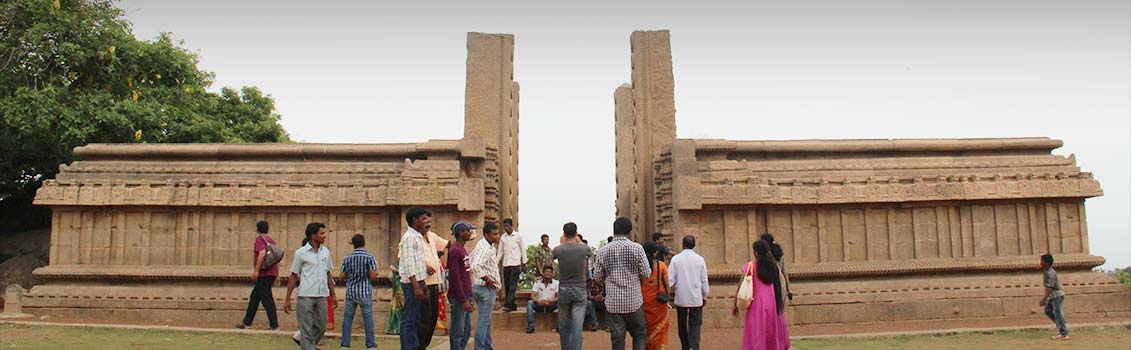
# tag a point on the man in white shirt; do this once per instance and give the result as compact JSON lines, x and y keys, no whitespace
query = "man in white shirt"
{"x":430,"y":308}
{"x":544,"y":298}
{"x":513,"y":255}
{"x":687,"y":277}
{"x":414,"y":270}
{"x":485,"y":284}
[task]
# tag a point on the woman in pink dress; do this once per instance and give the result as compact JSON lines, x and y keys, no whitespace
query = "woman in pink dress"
{"x":761,"y":329}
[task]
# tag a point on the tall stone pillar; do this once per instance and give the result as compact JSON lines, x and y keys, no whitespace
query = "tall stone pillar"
{"x":653,"y":116}
{"x":491,"y":109}
{"x":627,"y":189}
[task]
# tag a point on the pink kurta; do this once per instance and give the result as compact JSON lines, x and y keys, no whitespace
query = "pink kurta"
{"x":763,"y":328}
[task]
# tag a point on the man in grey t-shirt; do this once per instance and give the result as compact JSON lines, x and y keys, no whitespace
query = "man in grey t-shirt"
{"x":573,"y":267}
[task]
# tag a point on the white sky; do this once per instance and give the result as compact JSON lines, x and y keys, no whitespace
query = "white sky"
{"x":373,"y":72}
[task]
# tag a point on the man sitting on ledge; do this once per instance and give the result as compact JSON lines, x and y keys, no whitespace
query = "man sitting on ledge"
{"x":543,"y":299}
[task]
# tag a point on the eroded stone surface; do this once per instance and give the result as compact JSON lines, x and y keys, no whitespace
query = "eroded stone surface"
{"x":144,"y":229}
{"x":873,"y":230}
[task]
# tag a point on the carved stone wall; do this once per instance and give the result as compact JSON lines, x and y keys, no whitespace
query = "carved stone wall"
{"x":166,"y":231}
{"x":899,"y":230}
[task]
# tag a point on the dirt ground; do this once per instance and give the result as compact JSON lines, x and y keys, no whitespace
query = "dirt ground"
{"x":69,"y":338}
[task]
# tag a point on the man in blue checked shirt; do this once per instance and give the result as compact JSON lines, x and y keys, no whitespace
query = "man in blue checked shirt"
{"x":360,"y":270}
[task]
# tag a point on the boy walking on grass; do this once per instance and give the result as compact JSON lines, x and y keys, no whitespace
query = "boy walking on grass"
{"x":1053,"y":301}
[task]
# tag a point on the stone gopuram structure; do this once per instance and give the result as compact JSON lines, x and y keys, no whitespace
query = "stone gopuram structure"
{"x":165,"y":232}
{"x":873,"y":230}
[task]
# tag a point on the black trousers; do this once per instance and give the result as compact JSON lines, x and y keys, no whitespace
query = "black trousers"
{"x":261,"y":294}
{"x":690,"y":321}
{"x":510,"y":284}
{"x":429,"y":313}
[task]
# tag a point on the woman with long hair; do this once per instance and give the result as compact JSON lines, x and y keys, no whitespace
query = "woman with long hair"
{"x":783,"y":280}
{"x":761,"y":328}
{"x":651,"y":288}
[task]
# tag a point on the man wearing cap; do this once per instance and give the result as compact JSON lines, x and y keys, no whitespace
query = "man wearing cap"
{"x":459,"y":286}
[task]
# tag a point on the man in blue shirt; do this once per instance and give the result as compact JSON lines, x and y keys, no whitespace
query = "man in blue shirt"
{"x":360,"y":270}
{"x":311,"y":266}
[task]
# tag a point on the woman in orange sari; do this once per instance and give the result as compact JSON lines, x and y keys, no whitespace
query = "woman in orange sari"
{"x":654,"y":289}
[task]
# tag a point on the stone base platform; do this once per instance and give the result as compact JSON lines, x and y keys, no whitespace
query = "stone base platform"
{"x":817,"y":303}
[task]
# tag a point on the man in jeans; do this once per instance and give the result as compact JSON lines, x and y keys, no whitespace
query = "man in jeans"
{"x":414,"y":270}
{"x":544,"y":297}
{"x":687,"y":277}
{"x":1053,"y":300}
{"x":485,"y":285}
{"x":264,"y":279}
{"x":513,"y":255}
{"x":311,"y":271}
{"x":621,"y":265}
{"x":459,"y":287}
{"x":573,"y":270}
{"x":360,"y":270}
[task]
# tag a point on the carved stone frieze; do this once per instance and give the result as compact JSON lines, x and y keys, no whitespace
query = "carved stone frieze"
{"x":953,"y":187}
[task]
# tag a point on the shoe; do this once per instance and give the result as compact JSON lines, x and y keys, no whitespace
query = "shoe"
{"x":1060,"y":337}
{"x":273,"y":329}
{"x":555,"y":329}
{"x":594,"y":328}
{"x":529,"y":330}
{"x":242,"y":326}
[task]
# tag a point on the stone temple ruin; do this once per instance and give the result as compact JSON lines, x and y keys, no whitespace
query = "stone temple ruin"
{"x":874,"y":230}
{"x":142,"y":230}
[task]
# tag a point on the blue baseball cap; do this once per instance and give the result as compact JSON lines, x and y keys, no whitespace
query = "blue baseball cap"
{"x":462,"y":225}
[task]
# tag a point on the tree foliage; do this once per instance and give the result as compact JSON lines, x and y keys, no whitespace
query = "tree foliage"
{"x":72,"y":73}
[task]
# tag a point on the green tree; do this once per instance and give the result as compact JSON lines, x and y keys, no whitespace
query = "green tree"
{"x":1124,"y":275}
{"x":72,"y":73}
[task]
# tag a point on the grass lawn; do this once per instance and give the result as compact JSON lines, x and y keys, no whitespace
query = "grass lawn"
{"x":74,"y":338}
{"x":1114,"y":338}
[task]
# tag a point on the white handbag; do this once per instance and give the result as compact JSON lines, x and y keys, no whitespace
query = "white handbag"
{"x":745,"y":289}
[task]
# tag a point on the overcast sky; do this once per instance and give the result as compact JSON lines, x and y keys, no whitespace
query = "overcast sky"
{"x":394,"y":72}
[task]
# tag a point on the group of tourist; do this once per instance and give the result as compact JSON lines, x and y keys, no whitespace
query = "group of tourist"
{"x":630,"y":282}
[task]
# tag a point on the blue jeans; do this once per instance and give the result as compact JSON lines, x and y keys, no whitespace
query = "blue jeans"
{"x":411,"y":316}
{"x":571,"y":317}
{"x":531,"y":307}
{"x":485,"y":302}
{"x":366,"y":315}
{"x":459,"y":325}
{"x":1054,"y":309}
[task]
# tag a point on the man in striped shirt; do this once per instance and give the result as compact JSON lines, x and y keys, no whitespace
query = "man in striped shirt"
{"x":360,"y":269}
{"x":485,"y":283}
{"x":413,"y":271}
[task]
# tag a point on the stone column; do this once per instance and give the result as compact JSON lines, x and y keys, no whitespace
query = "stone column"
{"x":653,"y":87}
{"x":491,"y":109}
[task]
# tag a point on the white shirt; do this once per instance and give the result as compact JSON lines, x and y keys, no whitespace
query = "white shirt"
{"x":511,"y":250}
{"x":543,"y":291}
{"x":311,"y":267}
{"x":688,"y":276}
{"x":412,"y":256}
{"x":484,"y":262}
{"x":432,"y":257}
